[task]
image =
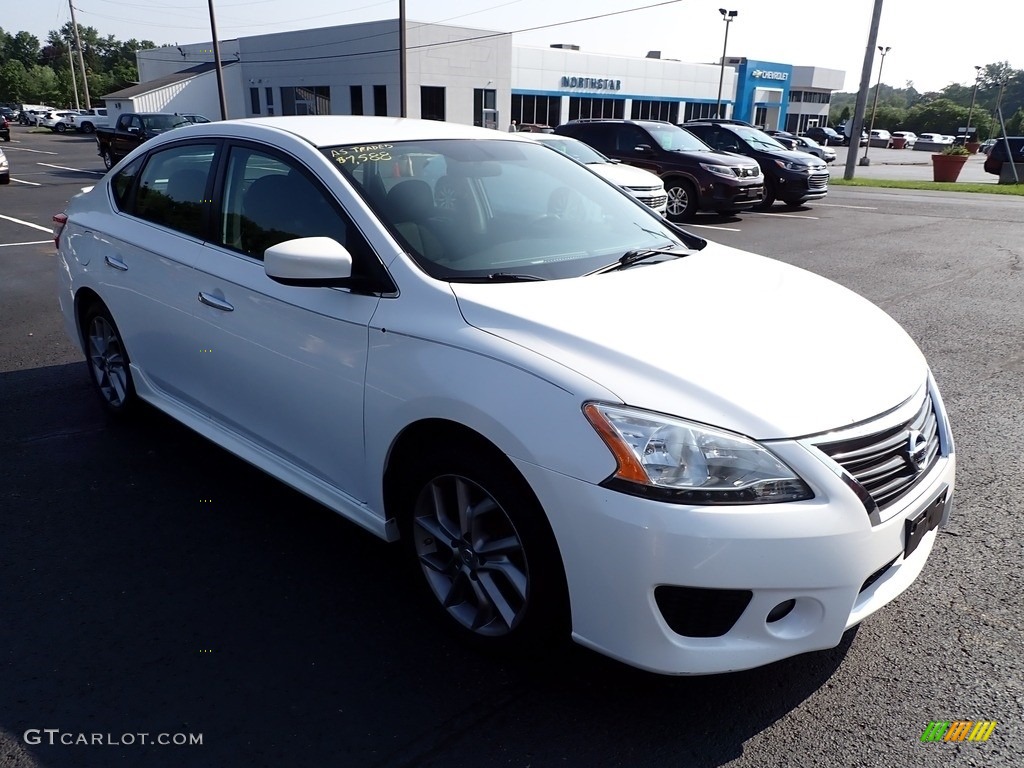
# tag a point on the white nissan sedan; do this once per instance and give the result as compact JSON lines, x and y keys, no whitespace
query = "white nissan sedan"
{"x":579,"y":419}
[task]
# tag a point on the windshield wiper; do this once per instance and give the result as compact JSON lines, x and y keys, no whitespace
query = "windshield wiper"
{"x":629,"y":258}
{"x":498,"y":277}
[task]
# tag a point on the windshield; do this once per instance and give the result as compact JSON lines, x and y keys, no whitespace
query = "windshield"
{"x":674,"y":138}
{"x":755,"y":138}
{"x":486,"y":209}
{"x":159,"y":123}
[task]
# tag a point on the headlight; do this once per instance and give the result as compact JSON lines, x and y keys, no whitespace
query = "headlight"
{"x":687,"y":463}
{"x":790,"y":165}
{"x":719,"y":170}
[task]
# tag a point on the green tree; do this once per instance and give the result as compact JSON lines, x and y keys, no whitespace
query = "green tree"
{"x":23,"y":47}
{"x":13,"y":82}
{"x":41,"y":85}
{"x":938,"y":116}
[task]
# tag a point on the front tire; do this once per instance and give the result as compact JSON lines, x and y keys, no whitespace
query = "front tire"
{"x":107,"y":359}
{"x":485,"y":550}
{"x":60,"y":127}
{"x":682,"y":200}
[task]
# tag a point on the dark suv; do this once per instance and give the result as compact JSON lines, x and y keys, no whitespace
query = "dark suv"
{"x":793,"y":177}
{"x":696,"y":177}
{"x":824,"y":135}
{"x":997,"y":154}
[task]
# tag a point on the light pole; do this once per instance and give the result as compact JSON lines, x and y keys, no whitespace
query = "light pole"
{"x":727,"y":17}
{"x":874,"y":104}
{"x":970,"y":112}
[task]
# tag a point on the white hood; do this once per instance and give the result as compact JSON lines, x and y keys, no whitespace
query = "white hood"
{"x":722,"y":337}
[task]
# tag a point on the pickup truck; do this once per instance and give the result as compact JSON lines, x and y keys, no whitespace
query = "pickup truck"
{"x":130,"y":130}
{"x":89,"y":120}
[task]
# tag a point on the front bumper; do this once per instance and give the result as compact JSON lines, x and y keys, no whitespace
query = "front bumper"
{"x":824,"y":562}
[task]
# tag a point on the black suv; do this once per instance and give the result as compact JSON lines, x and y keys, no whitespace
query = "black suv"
{"x":696,"y":177}
{"x":824,"y":135}
{"x":793,"y":177}
{"x":997,"y":154}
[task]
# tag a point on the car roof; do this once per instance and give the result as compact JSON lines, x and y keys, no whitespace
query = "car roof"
{"x":328,"y":130}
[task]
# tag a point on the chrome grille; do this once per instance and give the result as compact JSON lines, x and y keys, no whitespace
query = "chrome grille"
{"x":817,"y":181}
{"x":889,"y":463}
{"x":653,"y":202}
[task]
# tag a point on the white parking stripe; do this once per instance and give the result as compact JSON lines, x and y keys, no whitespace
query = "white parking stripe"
{"x":30,"y":183}
{"x":712,"y":226}
{"x":857,"y":207}
{"x":783,"y":215}
{"x":26,"y":223}
{"x":34,"y":242}
{"x":26,"y":149}
{"x":65,"y":168}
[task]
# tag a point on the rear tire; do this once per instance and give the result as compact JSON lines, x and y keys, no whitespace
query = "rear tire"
{"x":107,"y":359}
{"x":60,"y":127}
{"x":108,"y":161}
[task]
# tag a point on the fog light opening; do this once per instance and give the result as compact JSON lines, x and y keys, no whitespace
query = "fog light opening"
{"x":781,"y":611}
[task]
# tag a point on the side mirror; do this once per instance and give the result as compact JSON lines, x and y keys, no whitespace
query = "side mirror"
{"x":309,"y":261}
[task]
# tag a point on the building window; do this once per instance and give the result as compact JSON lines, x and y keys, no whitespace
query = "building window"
{"x":306,"y":100}
{"x":699,"y":111}
{"x":485,"y":99}
{"x":760,"y":116}
{"x":270,"y":100}
{"x":356,"y":95}
{"x":431,"y":102}
{"x":583,"y":108}
{"x":539,"y":110}
{"x":380,"y":100}
{"x":644,"y":109}
{"x":254,"y":100}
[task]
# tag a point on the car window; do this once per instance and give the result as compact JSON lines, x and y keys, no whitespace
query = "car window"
{"x":123,"y":183}
{"x":674,"y":138}
{"x":268,"y":199}
{"x":498,"y":209}
{"x":172,"y":188}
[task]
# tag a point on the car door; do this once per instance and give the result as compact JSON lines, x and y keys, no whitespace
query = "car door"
{"x":143,"y":260}
{"x":283,"y":366}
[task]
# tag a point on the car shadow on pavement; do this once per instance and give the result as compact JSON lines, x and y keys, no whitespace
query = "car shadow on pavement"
{"x":153,"y":583}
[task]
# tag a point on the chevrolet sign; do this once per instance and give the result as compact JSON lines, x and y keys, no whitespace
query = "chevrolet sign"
{"x":765,"y":74}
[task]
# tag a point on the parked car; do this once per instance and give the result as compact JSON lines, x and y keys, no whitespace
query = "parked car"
{"x":645,"y":186}
{"x":785,"y":138}
{"x":934,"y":138}
{"x":502,"y":389}
{"x":5,"y":169}
{"x":811,"y":147}
{"x":790,"y":176}
{"x":997,"y":155}
{"x":33,"y":117}
{"x":824,"y":135}
{"x":696,"y":177}
{"x":986,"y":146}
{"x":58,"y":122}
{"x":194,"y":118}
{"x":90,"y":119}
{"x":534,"y":128}
{"x":130,"y":130}
{"x":909,"y":138}
{"x":846,"y":129}
{"x":5,"y":128}
{"x":880,"y":138}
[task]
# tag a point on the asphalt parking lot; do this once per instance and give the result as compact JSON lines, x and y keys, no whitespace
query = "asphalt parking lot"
{"x":151,"y":583}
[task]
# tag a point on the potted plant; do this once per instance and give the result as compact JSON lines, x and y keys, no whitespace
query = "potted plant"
{"x":946,"y":164}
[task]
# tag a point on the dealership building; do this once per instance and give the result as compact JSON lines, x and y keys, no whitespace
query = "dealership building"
{"x":465,"y":75}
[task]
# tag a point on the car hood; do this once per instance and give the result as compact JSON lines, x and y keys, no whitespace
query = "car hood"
{"x":625,"y":175}
{"x":721,"y":337}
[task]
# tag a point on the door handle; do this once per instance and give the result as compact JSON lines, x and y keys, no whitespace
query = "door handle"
{"x":213,"y":301}
{"x":116,"y":263}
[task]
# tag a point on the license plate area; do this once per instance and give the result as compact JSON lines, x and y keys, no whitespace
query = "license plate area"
{"x":924,"y":521}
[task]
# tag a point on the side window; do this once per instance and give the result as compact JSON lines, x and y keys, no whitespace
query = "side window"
{"x":121,"y":185}
{"x":630,"y":137}
{"x":172,"y":188}
{"x":268,"y":199}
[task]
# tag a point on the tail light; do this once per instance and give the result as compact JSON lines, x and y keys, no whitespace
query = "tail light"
{"x":59,"y":220}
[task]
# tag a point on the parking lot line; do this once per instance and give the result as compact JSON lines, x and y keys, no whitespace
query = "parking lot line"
{"x":30,"y":183}
{"x":855,"y":207}
{"x":66,"y":168}
{"x":31,"y":242}
{"x":712,"y":226}
{"x":26,"y":223}
{"x":784,"y":215}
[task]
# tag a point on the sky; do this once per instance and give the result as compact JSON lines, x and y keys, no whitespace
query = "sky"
{"x":930,"y":46}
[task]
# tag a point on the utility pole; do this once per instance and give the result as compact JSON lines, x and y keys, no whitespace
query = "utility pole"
{"x":403,"y":111}
{"x":216,"y":59}
{"x":74,"y":82}
{"x":81,"y":60}
{"x":862,"y":95}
